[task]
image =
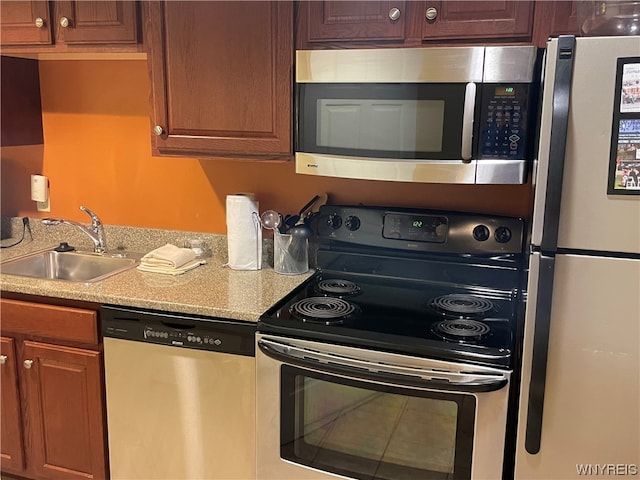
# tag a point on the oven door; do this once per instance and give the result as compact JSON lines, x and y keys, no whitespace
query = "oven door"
{"x":330,"y":411}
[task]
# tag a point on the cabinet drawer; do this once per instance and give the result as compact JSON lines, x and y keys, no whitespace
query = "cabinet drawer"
{"x":49,"y":321}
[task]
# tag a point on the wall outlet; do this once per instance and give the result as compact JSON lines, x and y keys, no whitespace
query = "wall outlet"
{"x":44,"y":206}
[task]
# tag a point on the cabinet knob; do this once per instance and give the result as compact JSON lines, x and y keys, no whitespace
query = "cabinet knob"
{"x":394,"y":14}
{"x":431,"y":13}
{"x":39,"y":22}
{"x":158,"y":130}
{"x":27,"y":363}
{"x":64,"y":22}
{"x":3,"y":359}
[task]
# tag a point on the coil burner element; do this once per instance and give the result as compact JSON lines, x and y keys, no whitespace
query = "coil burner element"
{"x":462,"y":305}
{"x":327,"y":310}
{"x":337,"y":287}
{"x":462,"y":329}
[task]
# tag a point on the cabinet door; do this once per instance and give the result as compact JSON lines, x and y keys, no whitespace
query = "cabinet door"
{"x":20,"y":107}
{"x":355,"y":20}
{"x":221,"y":77}
{"x":11,"y":441}
{"x":65,"y":410}
{"x":553,"y":19}
{"x":25,"y":23}
{"x":463,"y":20}
{"x":96,"y":22}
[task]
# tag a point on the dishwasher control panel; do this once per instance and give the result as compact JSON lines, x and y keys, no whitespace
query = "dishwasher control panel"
{"x":180,"y":338}
{"x":179,"y":330}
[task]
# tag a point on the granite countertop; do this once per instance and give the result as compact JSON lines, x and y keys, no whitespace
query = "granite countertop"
{"x":211,"y":289}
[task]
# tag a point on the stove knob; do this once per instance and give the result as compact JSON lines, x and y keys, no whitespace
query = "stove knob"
{"x":352,"y":223}
{"x":481,"y":233}
{"x":334,"y":221}
{"x":502,"y":235}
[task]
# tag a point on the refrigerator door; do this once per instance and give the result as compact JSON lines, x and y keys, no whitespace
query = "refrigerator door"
{"x":588,"y":218}
{"x":591,"y":417}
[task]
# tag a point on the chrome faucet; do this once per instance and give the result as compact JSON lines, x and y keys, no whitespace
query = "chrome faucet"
{"x":96,"y":233}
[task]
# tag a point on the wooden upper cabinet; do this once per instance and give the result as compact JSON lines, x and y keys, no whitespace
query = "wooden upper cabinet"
{"x":25,"y":23}
{"x":553,"y":19}
{"x":477,"y":20}
{"x":59,"y":24}
{"x":335,"y":24}
{"x":340,"y":20}
{"x":96,"y":22}
{"x":221,"y":77}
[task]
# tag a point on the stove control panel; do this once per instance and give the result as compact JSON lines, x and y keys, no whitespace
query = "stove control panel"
{"x":421,"y":230}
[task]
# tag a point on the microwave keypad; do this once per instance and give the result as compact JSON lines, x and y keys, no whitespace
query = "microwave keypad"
{"x":504,"y":117}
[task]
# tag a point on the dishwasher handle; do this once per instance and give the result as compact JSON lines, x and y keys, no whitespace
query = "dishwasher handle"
{"x":440,"y":379}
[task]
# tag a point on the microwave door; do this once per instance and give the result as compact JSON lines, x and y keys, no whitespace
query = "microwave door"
{"x":417,"y":121}
{"x":401,"y":132}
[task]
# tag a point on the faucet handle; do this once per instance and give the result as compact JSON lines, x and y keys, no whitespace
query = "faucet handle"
{"x":95,"y":221}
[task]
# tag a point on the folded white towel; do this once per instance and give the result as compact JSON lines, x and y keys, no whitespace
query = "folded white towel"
{"x":172,"y":270}
{"x":168,"y":256}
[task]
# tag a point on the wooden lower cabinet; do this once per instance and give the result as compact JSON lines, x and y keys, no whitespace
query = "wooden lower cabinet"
{"x":52,"y":406}
{"x":11,"y":439}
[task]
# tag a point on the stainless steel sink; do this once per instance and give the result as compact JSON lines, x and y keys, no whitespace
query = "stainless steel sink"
{"x":84,"y":267}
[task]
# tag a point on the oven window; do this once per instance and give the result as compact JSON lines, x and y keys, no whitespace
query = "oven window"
{"x":413,"y":121}
{"x":364,"y":430}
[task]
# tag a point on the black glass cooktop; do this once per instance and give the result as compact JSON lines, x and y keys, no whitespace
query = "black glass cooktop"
{"x":426,"y":318}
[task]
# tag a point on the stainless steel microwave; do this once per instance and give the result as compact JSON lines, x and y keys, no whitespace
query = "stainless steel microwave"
{"x":434,"y":115}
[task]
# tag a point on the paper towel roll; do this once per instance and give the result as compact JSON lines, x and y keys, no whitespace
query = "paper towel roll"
{"x":244,"y":233}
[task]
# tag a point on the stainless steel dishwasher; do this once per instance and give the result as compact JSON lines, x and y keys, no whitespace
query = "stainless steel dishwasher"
{"x":180,"y":395}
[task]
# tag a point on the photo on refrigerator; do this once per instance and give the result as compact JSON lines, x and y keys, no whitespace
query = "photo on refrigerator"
{"x":624,"y":171}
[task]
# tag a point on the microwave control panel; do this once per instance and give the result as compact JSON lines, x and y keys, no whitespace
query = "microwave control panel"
{"x":503,"y":121}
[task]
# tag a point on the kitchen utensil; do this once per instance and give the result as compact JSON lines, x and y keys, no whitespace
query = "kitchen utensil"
{"x":309,"y":204}
{"x":302,"y":227}
{"x":270,"y":219}
{"x":292,"y":220}
{"x":289,"y":221}
{"x":301,"y":230}
{"x":321,"y":200}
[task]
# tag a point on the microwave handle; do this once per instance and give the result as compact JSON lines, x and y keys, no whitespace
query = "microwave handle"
{"x":467,"y":120}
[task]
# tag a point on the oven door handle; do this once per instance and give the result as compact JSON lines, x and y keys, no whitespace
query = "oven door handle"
{"x":463,"y":379}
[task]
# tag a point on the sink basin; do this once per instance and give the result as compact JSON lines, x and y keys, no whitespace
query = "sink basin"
{"x":85,"y":267}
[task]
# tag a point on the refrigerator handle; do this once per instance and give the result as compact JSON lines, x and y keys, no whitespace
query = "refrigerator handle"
{"x":542,"y":319}
{"x":549,"y":241}
{"x":558,"y":141}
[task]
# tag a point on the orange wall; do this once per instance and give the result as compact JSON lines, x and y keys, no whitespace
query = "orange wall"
{"x":97,"y":153}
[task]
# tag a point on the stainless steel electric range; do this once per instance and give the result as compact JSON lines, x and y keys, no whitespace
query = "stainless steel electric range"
{"x":395,"y":360}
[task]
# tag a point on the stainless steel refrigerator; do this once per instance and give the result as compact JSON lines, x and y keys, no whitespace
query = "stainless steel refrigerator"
{"x":580,"y":386}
